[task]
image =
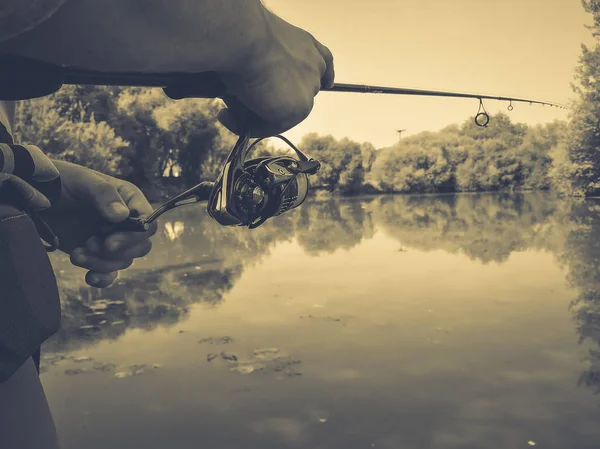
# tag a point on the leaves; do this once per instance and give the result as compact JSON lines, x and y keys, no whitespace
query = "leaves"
{"x":342,"y":162}
{"x":135,"y":133}
{"x":466,"y":158}
{"x":576,"y":167}
{"x":83,"y":140}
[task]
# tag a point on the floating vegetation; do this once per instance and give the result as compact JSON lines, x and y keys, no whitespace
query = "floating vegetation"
{"x":90,"y":365}
{"x":135,"y":370}
{"x":216,"y":340}
{"x":265,"y":360}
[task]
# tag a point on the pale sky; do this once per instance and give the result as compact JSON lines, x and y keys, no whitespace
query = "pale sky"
{"x":520,"y":48}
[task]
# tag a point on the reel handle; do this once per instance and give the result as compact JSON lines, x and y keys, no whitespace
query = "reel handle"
{"x":131,"y":224}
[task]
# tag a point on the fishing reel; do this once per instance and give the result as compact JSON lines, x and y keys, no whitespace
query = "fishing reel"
{"x":250,"y":191}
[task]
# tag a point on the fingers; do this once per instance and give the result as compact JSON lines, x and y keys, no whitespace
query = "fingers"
{"x":100,"y":280}
{"x":126,"y":248}
{"x":104,"y":197}
{"x":120,"y":240}
{"x":83,"y":259}
{"x":291,"y":113}
{"x":100,"y":193}
{"x":34,"y":198}
{"x":259,"y":126}
{"x":328,"y":77}
{"x":106,"y":262}
{"x":134,"y":198}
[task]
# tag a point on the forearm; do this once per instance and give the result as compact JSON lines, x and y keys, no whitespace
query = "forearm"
{"x":148,"y":35}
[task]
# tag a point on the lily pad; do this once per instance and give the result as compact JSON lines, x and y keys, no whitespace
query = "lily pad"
{"x":75,"y":371}
{"x":216,"y":340}
{"x":229,"y":356}
{"x":247,"y":368}
{"x":266,"y":353}
{"x":103,"y":366}
{"x":135,"y":370}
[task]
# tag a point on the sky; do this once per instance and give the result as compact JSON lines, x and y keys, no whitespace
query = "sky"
{"x":520,"y":48}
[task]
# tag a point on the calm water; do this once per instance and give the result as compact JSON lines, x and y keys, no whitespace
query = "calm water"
{"x":446,"y":322}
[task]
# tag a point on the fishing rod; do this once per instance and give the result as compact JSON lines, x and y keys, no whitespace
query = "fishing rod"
{"x":482,"y":114}
{"x":247,"y":191}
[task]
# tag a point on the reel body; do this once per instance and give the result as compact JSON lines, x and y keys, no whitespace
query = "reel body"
{"x":249,"y":192}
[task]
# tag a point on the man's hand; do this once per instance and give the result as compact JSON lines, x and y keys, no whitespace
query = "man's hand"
{"x":89,"y":202}
{"x":279,"y":81}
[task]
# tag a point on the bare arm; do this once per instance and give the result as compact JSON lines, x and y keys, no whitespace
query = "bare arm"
{"x":147,"y":35}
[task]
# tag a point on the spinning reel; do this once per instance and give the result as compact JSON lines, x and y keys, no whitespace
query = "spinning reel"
{"x":247,"y":192}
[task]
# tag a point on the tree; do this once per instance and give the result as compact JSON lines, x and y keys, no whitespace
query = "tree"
{"x":537,"y":151}
{"x":342,"y":168}
{"x":148,"y":143}
{"x":81,"y":139}
{"x":192,"y":128}
{"x":582,"y":161}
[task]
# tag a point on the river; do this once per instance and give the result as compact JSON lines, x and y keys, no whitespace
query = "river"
{"x":392,"y":322}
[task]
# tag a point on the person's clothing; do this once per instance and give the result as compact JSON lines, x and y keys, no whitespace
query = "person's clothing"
{"x":29,"y":302}
{"x":29,"y":299}
{"x":25,"y":418}
{"x":20,"y":16}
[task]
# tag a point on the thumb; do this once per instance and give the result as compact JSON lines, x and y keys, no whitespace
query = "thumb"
{"x":104,"y":198}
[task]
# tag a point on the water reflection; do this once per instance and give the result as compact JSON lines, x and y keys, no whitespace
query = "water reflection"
{"x":334,"y":224}
{"x":581,"y":258}
{"x":174,"y":229}
{"x":196,"y":261}
{"x":486,"y":228}
{"x":146,"y":300}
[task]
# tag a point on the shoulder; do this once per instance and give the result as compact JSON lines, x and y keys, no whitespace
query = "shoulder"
{"x":20,"y":16}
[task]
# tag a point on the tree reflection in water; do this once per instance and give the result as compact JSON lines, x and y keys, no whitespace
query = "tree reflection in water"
{"x":484,"y":227}
{"x":581,"y":259}
{"x":194,"y":260}
{"x":333,"y":224}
